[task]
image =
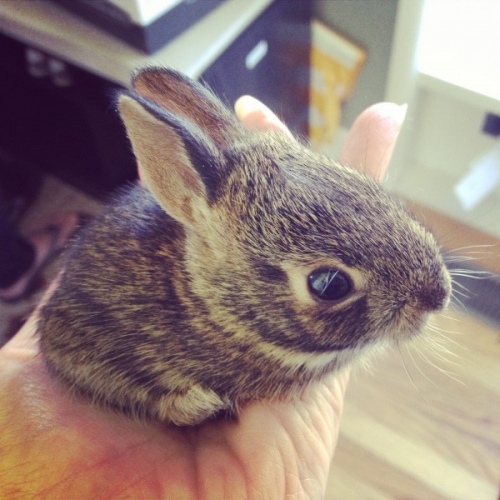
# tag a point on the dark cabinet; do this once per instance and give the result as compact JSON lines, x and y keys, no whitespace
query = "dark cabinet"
{"x":270,"y":61}
{"x":74,"y":132}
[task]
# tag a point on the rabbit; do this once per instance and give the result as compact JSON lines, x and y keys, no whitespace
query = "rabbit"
{"x":248,"y":269}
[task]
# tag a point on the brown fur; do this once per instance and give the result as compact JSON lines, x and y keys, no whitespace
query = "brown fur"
{"x":192,"y":300}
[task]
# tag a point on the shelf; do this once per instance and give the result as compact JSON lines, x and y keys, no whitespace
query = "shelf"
{"x":51,"y":28}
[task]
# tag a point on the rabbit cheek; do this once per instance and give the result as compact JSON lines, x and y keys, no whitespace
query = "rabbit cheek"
{"x":337,"y":328}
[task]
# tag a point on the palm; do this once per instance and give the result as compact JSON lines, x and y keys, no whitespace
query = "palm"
{"x":69,"y":450}
{"x":54,"y":447}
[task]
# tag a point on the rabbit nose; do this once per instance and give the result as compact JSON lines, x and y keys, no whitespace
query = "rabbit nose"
{"x":434,"y":296}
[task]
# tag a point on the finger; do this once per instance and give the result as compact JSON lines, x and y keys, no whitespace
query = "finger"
{"x":256,"y":116}
{"x":371,"y":140}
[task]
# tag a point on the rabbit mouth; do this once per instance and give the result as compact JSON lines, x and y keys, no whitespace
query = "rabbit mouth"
{"x":407,"y":324}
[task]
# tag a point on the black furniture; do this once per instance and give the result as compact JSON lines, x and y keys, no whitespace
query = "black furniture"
{"x":74,"y":132}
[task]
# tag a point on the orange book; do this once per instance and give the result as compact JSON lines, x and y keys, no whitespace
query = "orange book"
{"x":335,"y":65}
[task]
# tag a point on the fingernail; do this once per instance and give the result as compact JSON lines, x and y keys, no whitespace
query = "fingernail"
{"x":246,"y":104}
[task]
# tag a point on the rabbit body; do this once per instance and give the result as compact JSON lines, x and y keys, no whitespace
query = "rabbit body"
{"x":198,"y":294}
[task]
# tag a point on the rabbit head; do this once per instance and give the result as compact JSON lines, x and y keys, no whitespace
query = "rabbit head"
{"x":306,"y":254}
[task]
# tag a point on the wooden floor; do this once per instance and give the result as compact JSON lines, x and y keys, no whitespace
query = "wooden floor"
{"x":425,"y":435}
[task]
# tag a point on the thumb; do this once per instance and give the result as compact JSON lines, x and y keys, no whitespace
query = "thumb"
{"x":371,"y":140}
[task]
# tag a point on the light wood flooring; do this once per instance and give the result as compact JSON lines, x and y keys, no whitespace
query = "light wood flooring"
{"x":425,"y":434}
{"x":411,"y":430}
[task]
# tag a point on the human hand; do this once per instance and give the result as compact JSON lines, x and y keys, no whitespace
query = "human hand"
{"x":52,"y":446}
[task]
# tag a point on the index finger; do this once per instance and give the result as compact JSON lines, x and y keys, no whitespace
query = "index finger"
{"x":369,"y":144}
{"x":257,"y":116}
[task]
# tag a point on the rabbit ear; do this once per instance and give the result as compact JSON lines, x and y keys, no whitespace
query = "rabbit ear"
{"x":179,"y":162}
{"x":189,"y":99}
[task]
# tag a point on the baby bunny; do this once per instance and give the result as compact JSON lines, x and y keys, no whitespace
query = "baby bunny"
{"x":249,"y":269}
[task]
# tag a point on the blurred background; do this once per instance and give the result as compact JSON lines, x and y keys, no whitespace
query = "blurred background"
{"x":426,"y":423}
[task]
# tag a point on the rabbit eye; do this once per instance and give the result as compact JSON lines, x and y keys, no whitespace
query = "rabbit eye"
{"x":328,"y":283}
